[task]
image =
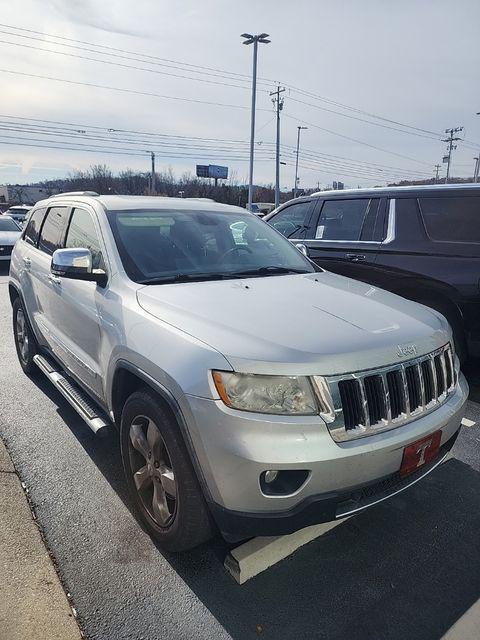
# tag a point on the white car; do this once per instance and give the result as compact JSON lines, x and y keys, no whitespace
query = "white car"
{"x":10,"y":232}
{"x":19,"y":214}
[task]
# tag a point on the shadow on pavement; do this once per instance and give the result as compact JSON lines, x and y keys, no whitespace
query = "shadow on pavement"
{"x":408,"y":568}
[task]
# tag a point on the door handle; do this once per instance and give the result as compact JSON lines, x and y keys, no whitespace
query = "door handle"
{"x":27,"y":262}
{"x":355,"y":257}
{"x":54,"y":279}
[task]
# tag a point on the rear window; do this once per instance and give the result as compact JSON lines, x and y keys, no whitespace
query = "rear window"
{"x":342,"y":219}
{"x":453,"y":219}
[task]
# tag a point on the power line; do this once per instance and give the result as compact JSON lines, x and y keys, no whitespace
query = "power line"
{"x":202,"y":147}
{"x":366,"y":144}
{"x":376,"y":124}
{"x":134,"y":53}
{"x":204,"y":70}
{"x":92,"y":148}
{"x":201,"y":144}
{"x":124,"y":90}
{"x":315,"y":96}
{"x":121,"y":64}
{"x":75,"y":147}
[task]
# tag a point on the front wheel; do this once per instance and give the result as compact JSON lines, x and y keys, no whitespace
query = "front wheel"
{"x":25,"y":342}
{"x":165,"y":491}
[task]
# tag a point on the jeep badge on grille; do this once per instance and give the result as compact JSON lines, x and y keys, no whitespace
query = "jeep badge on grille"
{"x":406,"y":350}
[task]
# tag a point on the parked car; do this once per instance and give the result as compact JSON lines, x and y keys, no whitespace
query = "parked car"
{"x":422,"y":243}
{"x":9,"y":234}
{"x":252,"y":391}
{"x":263,"y":208}
{"x":19,"y":213}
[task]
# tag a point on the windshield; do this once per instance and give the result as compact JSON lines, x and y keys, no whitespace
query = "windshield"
{"x":186,"y":245}
{"x":7,"y":224}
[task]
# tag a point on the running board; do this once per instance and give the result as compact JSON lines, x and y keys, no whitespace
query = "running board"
{"x":78,"y":399}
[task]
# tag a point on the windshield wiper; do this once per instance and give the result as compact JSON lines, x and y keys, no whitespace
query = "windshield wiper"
{"x":267,"y":271}
{"x":184,"y":277}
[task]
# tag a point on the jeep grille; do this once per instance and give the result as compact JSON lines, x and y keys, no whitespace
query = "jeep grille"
{"x":368,"y":402}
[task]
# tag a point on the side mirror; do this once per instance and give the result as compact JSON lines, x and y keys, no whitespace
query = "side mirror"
{"x":302,"y":248}
{"x":76,"y":264}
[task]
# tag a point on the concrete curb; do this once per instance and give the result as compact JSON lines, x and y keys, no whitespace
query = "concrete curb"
{"x":33,"y":603}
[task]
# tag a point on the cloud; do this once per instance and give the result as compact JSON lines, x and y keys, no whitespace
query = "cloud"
{"x":97,"y":15}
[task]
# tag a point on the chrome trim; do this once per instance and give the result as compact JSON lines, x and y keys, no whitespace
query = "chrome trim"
{"x":348,"y":242}
{"x":386,"y":393}
{"x":391,"y":222}
{"x":422,"y":384}
{"x":366,"y":415}
{"x":434,"y":378}
{"x":333,"y":413}
{"x":406,"y":397}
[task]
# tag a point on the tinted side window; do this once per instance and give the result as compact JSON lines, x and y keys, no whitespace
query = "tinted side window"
{"x":52,"y":229}
{"x":33,"y":227}
{"x":452,"y":219}
{"x":342,"y":219}
{"x":82,"y":234}
{"x":291,"y":220}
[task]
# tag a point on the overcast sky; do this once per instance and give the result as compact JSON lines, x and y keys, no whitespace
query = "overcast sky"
{"x":414,"y":62}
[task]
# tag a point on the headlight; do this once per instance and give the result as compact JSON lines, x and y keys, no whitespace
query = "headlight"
{"x":282,"y":395}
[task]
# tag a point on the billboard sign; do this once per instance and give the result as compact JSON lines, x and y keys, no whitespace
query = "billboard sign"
{"x":212,"y":171}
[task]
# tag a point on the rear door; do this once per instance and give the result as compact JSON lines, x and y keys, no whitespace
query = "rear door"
{"x":27,"y":249}
{"x":344,"y":234}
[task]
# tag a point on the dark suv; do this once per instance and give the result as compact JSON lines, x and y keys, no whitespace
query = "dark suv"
{"x":422,"y":243}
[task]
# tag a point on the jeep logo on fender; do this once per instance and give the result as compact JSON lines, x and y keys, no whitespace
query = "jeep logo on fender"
{"x":406,"y":350}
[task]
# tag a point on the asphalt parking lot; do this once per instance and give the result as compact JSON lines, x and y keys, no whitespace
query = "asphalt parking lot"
{"x":408,"y":568}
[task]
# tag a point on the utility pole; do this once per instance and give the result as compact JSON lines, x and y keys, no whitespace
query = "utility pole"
{"x":437,"y":169}
{"x":296,"y":162}
{"x":450,"y":139}
{"x":249,"y":39}
{"x":152,"y":175}
{"x":278,"y":102}
{"x":477,"y":168}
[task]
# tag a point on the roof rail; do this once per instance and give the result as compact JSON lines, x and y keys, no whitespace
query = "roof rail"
{"x":75,"y":193}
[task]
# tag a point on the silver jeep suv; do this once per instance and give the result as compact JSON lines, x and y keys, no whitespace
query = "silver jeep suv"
{"x":253,"y":392}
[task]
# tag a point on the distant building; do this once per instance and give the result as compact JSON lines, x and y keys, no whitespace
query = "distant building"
{"x":23,"y":194}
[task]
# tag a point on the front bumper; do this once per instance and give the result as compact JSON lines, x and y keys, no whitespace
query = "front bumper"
{"x":234,"y":448}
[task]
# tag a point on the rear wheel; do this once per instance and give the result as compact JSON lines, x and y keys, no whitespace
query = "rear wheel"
{"x":25,"y":342}
{"x":159,"y":474}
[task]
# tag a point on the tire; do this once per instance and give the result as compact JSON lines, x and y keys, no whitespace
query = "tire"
{"x":25,"y":342}
{"x":159,"y":474}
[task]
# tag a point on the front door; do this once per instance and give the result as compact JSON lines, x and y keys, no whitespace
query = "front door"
{"x":77,"y":309}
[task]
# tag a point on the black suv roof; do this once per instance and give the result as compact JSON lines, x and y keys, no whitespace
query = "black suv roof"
{"x":398,"y":192}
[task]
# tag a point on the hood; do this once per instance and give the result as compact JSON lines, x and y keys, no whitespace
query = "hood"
{"x":298,"y":324}
{"x":9,"y":237}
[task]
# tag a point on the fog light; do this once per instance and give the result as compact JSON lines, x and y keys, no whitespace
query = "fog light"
{"x":271,"y":475}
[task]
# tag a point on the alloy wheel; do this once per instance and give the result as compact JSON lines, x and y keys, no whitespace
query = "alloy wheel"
{"x":152,"y":471}
{"x":22,"y":335}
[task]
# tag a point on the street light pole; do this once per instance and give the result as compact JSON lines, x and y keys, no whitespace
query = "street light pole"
{"x":249,"y":39}
{"x":296,"y":161}
{"x":477,"y":167}
{"x":152,"y":178}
